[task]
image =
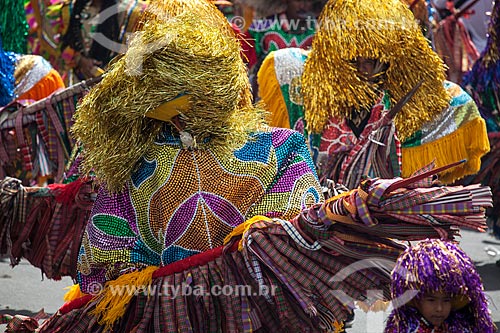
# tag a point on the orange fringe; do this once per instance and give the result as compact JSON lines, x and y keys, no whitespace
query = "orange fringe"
{"x":46,"y":86}
{"x":270,"y":93}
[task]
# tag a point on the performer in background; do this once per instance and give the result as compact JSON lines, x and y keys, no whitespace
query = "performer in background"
{"x":338,"y":94}
{"x":195,"y":191}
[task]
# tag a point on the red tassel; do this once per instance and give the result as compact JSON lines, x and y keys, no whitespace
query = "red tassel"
{"x":193,"y":261}
{"x":66,"y":193}
{"x":75,"y":304}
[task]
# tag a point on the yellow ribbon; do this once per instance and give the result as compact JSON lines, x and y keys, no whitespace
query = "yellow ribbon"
{"x":170,"y":109}
{"x":243,"y":228}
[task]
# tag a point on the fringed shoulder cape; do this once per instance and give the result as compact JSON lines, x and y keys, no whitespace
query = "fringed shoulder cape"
{"x":457,"y":133}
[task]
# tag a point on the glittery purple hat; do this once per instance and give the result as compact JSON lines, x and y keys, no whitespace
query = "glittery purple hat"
{"x":439,"y":266}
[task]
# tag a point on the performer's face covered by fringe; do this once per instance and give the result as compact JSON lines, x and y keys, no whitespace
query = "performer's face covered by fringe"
{"x":371,"y":70}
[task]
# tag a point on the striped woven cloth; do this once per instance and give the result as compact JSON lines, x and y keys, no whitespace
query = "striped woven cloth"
{"x":35,"y":143}
{"x":44,"y":224}
{"x":314,"y":267}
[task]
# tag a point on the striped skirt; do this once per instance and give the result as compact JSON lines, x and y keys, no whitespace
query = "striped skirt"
{"x":44,"y":224}
{"x":277,"y":281}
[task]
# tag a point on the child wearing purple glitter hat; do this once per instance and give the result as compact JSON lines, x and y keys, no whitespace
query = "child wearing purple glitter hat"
{"x":436,"y":289}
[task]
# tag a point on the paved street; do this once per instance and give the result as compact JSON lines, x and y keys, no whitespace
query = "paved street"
{"x":22,"y":290}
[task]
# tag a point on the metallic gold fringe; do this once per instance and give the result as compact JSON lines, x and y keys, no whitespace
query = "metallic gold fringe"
{"x":375,"y":29}
{"x":187,"y":54}
{"x":163,"y":10}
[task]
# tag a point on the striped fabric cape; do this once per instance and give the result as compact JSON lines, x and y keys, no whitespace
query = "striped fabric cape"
{"x":35,"y":144}
{"x":458,"y":133}
{"x":44,"y":224}
{"x":304,"y":274}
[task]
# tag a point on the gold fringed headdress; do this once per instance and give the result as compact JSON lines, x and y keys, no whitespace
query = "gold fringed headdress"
{"x":188,"y":55}
{"x":163,"y":10}
{"x":376,"y":29}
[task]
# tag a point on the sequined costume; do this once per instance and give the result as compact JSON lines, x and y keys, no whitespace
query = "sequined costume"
{"x":181,"y":202}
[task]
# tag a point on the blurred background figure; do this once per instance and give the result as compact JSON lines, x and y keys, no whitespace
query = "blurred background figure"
{"x":79,"y":37}
{"x":475,"y":19}
{"x":279,"y":24}
{"x":420,"y":10}
{"x":34,"y":77}
{"x":460,"y":33}
{"x":483,"y":83}
{"x":477,"y":22}
{"x":23,"y":76}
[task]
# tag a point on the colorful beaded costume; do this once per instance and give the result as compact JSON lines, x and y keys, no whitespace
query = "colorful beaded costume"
{"x":182,"y":202}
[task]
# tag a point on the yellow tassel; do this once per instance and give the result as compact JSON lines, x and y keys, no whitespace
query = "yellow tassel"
{"x":338,"y":196}
{"x":243,"y":228}
{"x":379,"y":305}
{"x":270,"y":93}
{"x":469,"y":142}
{"x":114,"y":299}
{"x":73,"y":293}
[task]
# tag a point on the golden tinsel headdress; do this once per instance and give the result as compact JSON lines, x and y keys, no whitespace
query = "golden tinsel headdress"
{"x":162,"y":10}
{"x":188,"y":55}
{"x":375,"y":29}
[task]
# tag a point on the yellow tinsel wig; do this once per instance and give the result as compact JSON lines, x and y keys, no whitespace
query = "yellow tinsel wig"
{"x":188,"y":54}
{"x":376,"y":29}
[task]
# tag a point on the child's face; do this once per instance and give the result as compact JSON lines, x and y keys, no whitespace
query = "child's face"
{"x":435,"y":307}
